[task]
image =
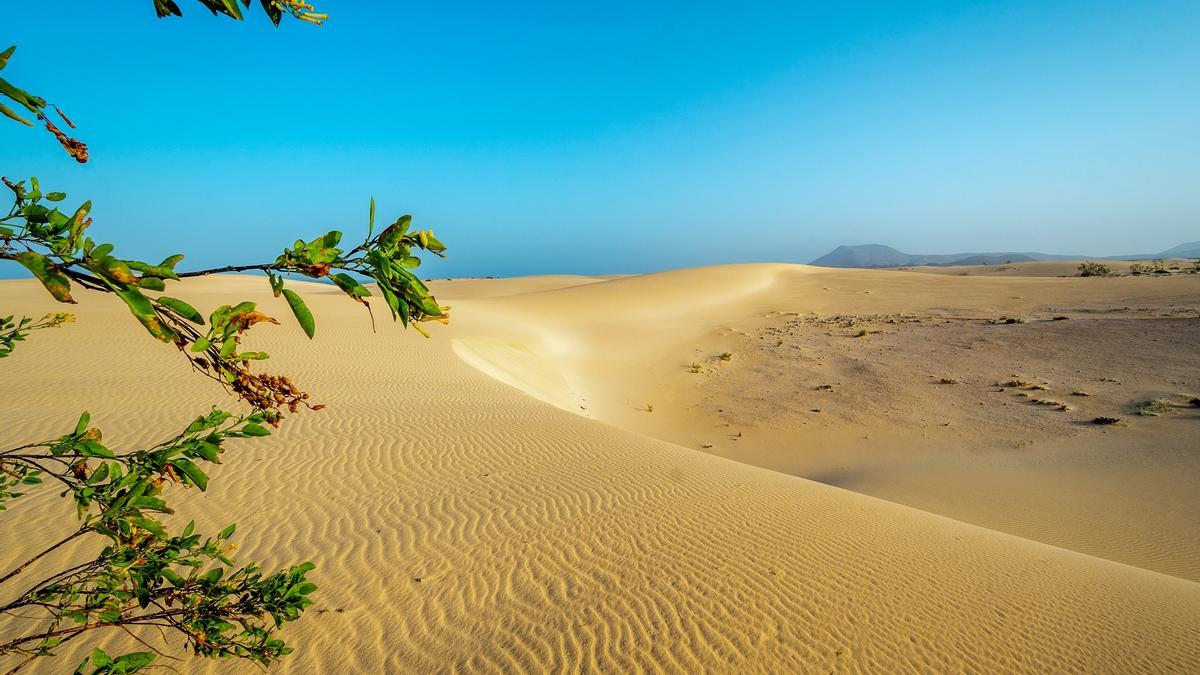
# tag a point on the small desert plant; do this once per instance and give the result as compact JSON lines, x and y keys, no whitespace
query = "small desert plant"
{"x":1008,"y":320}
{"x":1106,"y":420}
{"x":1094,"y":269}
{"x":695,"y":368}
{"x":1154,"y":407}
{"x":861,"y":333}
{"x":725,"y":356}
{"x":649,"y":407}
{"x":1138,"y":269}
{"x":948,"y":380}
{"x":824,"y":387}
{"x":1195,"y":268}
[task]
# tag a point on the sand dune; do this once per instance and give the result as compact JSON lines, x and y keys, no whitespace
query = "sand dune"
{"x":462,"y":524}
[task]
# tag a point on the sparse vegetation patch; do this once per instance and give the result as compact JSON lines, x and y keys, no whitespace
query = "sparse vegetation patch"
{"x":1094,"y":269}
{"x":1154,"y":407}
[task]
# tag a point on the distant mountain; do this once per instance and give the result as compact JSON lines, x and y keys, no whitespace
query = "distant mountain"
{"x":1189,"y":250}
{"x":878,"y":255}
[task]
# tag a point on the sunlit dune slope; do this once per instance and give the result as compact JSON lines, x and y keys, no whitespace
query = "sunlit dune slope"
{"x":460,"y":524}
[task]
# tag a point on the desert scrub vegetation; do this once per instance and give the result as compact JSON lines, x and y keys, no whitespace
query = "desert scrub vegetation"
{"x":1094,"y":269}
{"x":725,"y":356}
{"x":1154,"y":407}
{"x":1007,"y":320}
{"x":146,"y":573}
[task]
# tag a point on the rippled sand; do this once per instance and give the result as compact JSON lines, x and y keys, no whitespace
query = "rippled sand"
{"x":497,"y":498}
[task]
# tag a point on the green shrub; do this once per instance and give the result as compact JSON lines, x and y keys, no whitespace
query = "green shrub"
{"x":1094,"y":269}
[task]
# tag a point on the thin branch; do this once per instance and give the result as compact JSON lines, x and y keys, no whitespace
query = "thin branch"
{"x":262,"y":267}
{"x":37,"y":557}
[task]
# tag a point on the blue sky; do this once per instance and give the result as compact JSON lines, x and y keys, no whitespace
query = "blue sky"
{"x":624,"y":137}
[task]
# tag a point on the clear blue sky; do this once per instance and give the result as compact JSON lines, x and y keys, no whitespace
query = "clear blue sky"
{"x":624,"y":137}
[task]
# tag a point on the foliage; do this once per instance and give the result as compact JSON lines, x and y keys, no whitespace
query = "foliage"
{"x":1094,"y":269}
{"x":275,"y":9}
{"x":38,"y":106}
{"x":1138,"y":269}
{"x":149,"y":573}
{"x":146,"y":576}
{"x":14,"y":331}
{"x":55,"y":248}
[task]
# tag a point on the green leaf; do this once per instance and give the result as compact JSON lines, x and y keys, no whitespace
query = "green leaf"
{"x":98,"y":475}
{"x":253,"y":429}
{"x":11,"y":114}
{"x":166,"y":8}
{"x":201,"y":344}
{"x":193,"y":472}
{"x":228,"y":347}
{"x":133,"y":661}
{"x":149,"y":503}
{"x":99,"y":658}
{"x":81,"y":425}
{"x":276,"y":283}
{"x":48,"y":273}
{"x":5,"y":55}
{"x":350,"y":286}
{"x":152,"y":283}
{"x":94,"y":449}
{"x":227,"y":532}
{"x":56,"y":196}
{"x":300,"y":309}
{"x":142,"y":308}
{"x":182,"y":309}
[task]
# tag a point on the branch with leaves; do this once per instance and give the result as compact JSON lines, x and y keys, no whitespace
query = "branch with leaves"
{"x":38,"y":107}
{"x":13,"y":330}
{"x":53,"y":245}
{"x":275,"y":9}
{"x":144,"y":576}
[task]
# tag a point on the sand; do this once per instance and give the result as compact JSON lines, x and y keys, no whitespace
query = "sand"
{"x":501,"y":498}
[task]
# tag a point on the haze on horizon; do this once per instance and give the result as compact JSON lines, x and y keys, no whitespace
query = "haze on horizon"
{"x":621,"y":137}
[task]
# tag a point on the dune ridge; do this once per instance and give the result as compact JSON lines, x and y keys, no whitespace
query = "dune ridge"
{"x":459,"y":524}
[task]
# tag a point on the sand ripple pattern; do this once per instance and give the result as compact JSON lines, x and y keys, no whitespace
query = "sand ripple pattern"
{"x":460,"y":526}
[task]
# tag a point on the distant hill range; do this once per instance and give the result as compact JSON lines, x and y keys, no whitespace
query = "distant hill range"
{"x":878,"y":255}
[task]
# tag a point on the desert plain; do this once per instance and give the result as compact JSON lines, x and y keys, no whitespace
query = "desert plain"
{"x":742,"y":468}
